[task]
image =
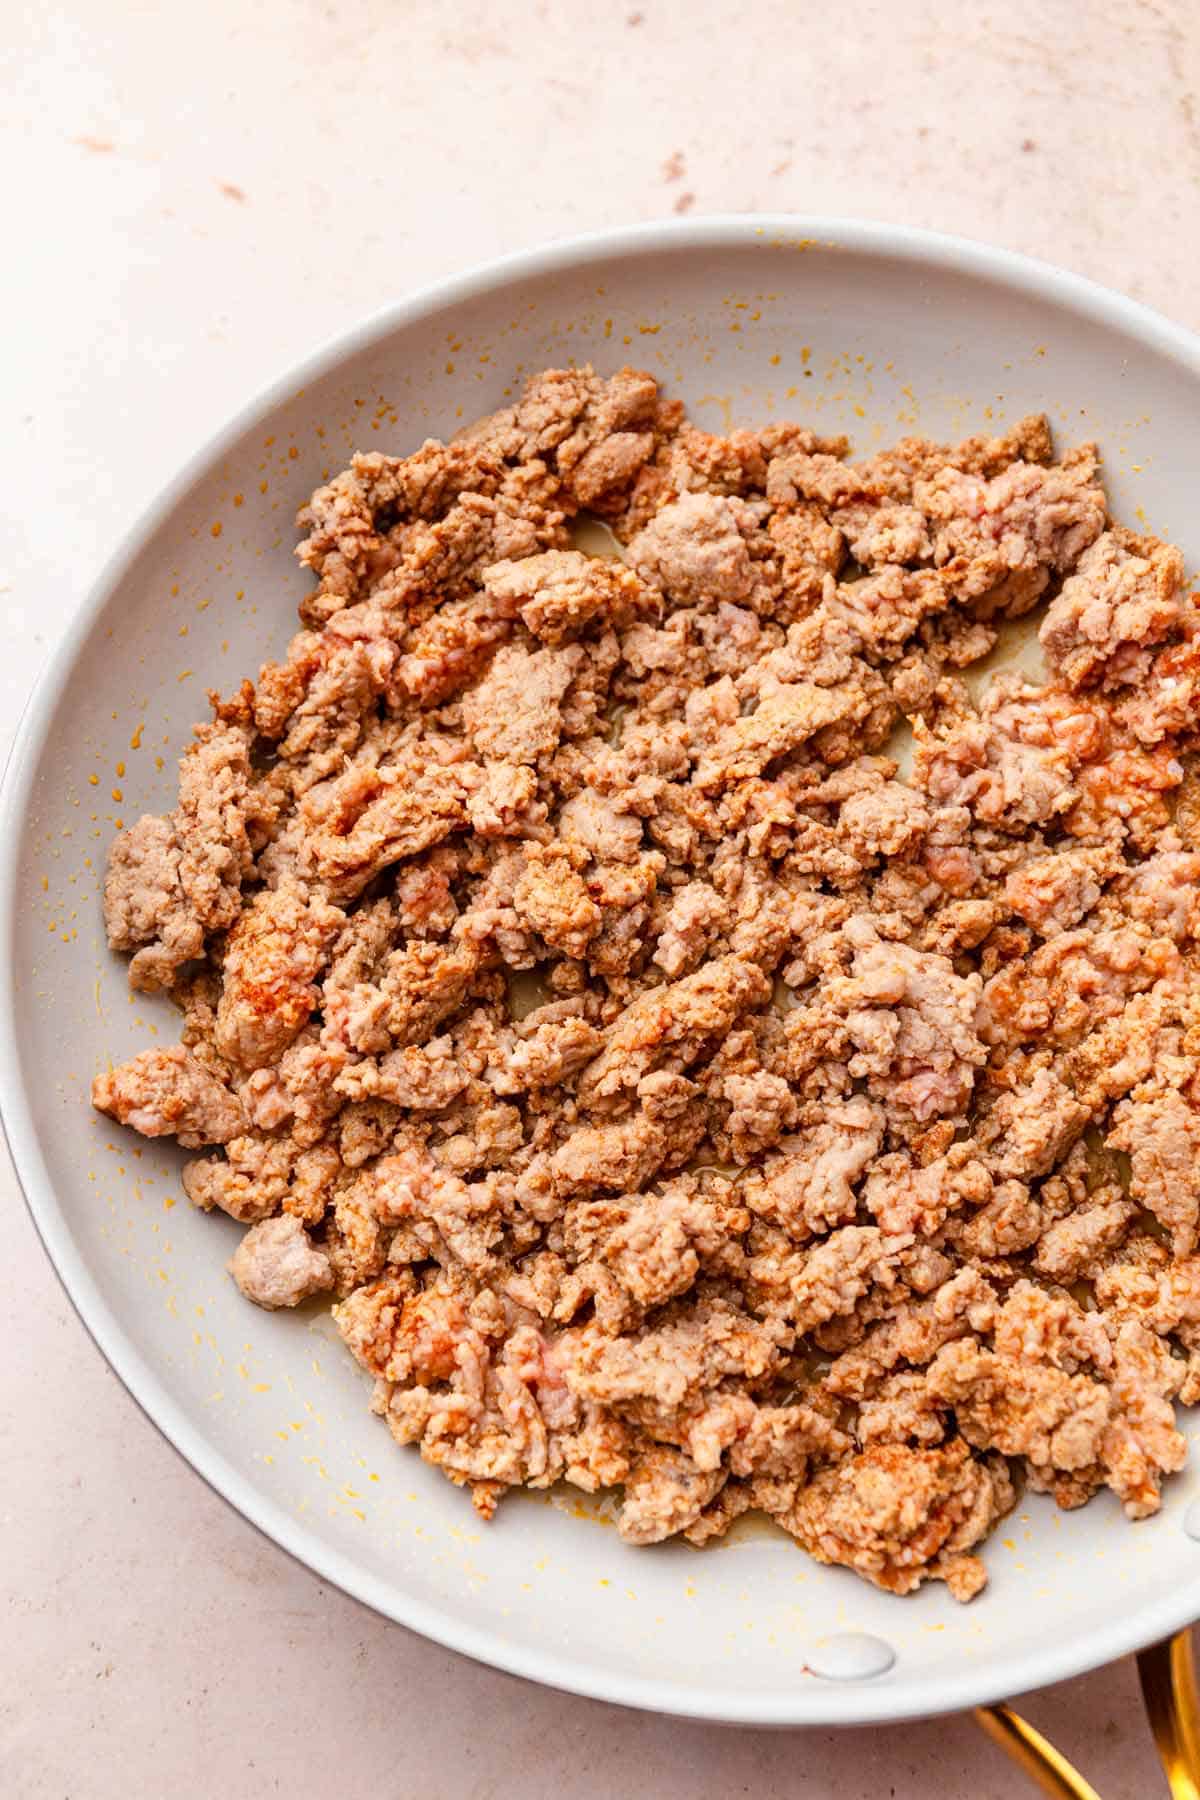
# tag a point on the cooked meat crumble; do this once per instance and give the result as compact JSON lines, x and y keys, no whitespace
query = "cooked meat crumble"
{"x":672,"y":1095}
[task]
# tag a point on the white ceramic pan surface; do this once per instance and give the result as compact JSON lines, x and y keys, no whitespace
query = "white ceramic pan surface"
{"x":857,"y":328}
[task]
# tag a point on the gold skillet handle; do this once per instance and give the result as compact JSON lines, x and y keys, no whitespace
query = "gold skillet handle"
{"x":1035,"y":1754}
{"x":1168,"y":1677}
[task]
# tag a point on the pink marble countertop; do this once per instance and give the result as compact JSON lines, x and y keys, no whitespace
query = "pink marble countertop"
{"x":196,"y":196}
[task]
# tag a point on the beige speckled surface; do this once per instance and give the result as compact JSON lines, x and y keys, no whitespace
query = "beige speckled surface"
{"x":203,"y":199}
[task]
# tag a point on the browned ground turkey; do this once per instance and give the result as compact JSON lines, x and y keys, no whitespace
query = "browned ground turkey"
{"x":672,"y":1096}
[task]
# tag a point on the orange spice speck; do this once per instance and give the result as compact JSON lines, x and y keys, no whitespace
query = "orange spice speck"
{"x":174,"y":590}
{"x":95,"y":780}
{"x":135,"y":742}
{"x":158,"y":762}
{"x":262,"y":487}
{"x":237,"y":499}
{"x":120,"y":824}
{"x":117,"y":795}
{"x":293,"y":453}
{"x":215,"y":528}
{"x":120,"y":768}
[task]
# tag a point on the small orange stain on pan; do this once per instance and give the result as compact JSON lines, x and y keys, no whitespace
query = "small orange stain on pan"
{"x":215,"y":528}
{"x":135,"y":742}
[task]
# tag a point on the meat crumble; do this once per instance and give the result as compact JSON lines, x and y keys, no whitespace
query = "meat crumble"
{"x":670,"y":1094}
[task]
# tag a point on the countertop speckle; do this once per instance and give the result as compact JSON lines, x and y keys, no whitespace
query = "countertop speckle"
{"x":196,"y":197}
